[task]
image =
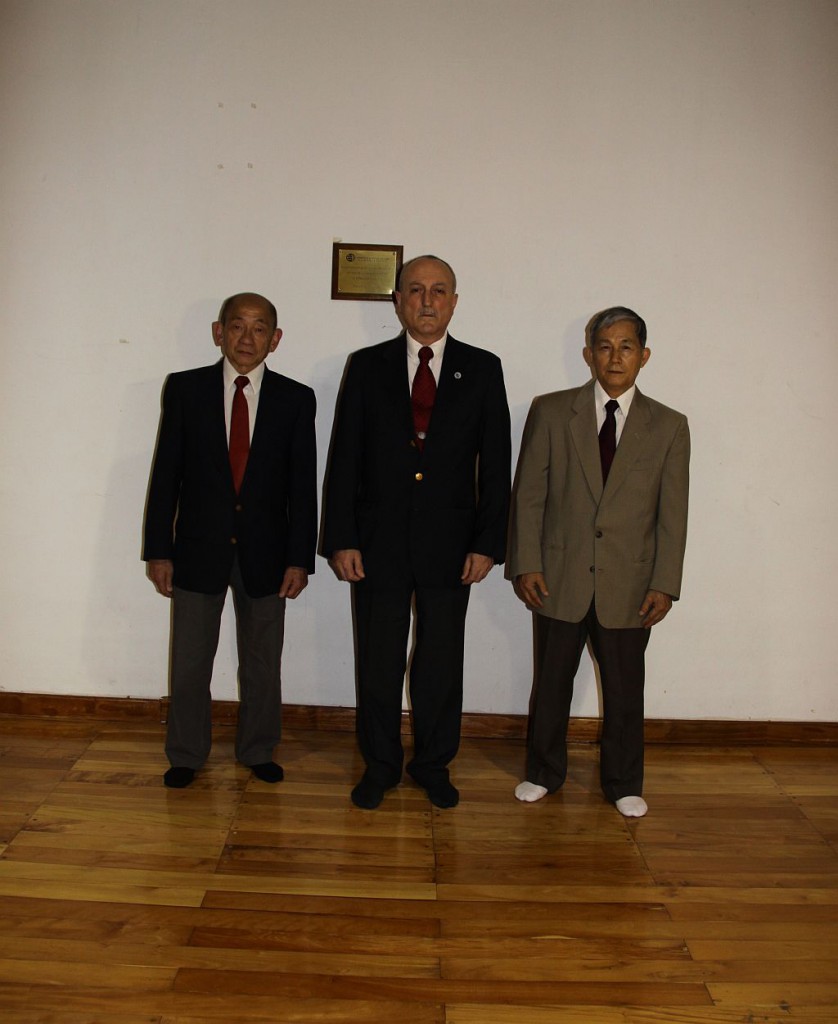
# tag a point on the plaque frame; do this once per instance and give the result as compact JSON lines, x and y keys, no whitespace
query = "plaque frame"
{"x":371,"y":255}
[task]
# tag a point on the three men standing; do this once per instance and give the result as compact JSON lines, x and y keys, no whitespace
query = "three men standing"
{"x":415,"y":512}
{"x":415,"y":509}
{"x":232,"y":502}
{"x":597,"y":536}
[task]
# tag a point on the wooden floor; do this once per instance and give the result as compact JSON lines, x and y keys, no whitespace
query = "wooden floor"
{"x":122,"y":902}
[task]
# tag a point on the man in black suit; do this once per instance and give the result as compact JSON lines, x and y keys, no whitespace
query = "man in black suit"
{"x":232,"y":503}
{"x":416,"y":504}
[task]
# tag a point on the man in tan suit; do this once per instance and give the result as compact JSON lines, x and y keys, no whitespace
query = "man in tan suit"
{"x":597,"y":537}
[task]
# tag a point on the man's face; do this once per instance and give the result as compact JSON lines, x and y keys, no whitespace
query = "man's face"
{"x":248,"y":333}
{"x":426,"y":300}
{"x":616,"y":357}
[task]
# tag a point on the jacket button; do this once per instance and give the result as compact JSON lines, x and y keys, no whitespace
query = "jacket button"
{"x":238,"y":508}
{"x":233,"y":540}
{"x":419,"y":476}
{"x":598,"y":533}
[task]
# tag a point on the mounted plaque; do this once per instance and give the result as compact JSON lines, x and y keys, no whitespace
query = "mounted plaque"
{"x":365,"y":272}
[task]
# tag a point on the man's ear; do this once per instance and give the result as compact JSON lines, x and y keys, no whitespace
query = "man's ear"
{"x":645,"y":357}
{"x":275,"y":340}
{"x":588,"y":355}
{"x":217,"y":331}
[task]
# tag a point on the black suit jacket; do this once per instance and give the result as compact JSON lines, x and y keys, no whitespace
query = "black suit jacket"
{"x":193,"y":514}
{"x":416,"y":513}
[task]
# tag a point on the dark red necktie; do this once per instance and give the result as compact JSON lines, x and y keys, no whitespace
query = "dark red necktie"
{"x":608,"y":438}
{"x":422,"y":395}
{"x":239,"y":433}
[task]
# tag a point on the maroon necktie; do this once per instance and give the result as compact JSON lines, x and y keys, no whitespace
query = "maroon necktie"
{"x":608,"y":438}
{"x":422,"y":395}
{"x":239,"y":433}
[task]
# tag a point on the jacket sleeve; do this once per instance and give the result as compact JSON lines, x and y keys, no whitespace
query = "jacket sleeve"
{"x":302,"y":487}
{"x":529,"y":496}
{"x":343,"y":474}
{"x":671,"y":530}
{"x":166,"y":476}
{"x":493,"y":470}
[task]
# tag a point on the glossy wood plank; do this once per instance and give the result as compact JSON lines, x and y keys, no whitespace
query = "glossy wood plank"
{"x":59,"y":879}
{"x":92,"y":1005}
{"x":20,"y":952}
{"x":33,"y":1015}
{"x":776,"y":993}
{"x":479,"y":1013}
{"x":638,"y":965}
{"x":536,"y":993}
{"x":787,"y":915}
{"x":66,"y":973}
{"x":667,"y":894}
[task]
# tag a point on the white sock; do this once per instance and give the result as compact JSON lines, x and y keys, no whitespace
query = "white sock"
{"x":529,"y":792}
{"x":632,"y":806}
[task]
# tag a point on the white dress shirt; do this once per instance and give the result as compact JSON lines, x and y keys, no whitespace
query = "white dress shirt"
{"x":624,"y":402}
{"x":250,"y":391}
{"x":435,"y":363}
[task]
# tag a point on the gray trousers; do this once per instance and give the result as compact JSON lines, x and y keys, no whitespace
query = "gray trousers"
{"x":260,"y":631}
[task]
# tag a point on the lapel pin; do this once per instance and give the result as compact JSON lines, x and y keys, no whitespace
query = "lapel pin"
{"x":457,"y":375}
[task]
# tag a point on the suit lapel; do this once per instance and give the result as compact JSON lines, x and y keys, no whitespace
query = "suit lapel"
{"x":583,"y":432}
{"x":455,"y":369}
{"x":217,"y":425}
{"x":394,"y":382}
{"x":396,"y":390}
{"x":265,"y":411}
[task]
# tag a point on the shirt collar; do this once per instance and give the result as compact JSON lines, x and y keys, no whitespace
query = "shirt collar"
{"x":413,"y":347}
{"x":624,"y":401}
{"x":255,"y":376}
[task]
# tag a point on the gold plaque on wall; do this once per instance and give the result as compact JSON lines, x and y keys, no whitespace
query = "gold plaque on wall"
{"x":365,"y":271}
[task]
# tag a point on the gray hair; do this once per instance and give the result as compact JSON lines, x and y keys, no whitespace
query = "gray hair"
{"x":613,"y":315}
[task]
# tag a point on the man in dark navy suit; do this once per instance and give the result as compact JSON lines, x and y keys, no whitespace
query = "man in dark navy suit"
{"x":232,"y":503}
{"x":416,"y":505}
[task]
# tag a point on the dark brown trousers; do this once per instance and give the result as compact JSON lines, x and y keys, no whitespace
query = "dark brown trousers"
{"x":620,"y":655}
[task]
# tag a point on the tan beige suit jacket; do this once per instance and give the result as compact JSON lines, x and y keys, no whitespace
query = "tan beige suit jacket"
{"x":615,"y":543}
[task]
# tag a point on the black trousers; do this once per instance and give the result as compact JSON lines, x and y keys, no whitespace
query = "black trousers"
{"x":620,"y":654}
{"x":260,"y":631}
{"x":382,"y":626}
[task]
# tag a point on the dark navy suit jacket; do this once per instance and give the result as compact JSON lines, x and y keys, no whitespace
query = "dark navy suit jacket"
{"x":416,"y":513}
{"x":193,"y":514}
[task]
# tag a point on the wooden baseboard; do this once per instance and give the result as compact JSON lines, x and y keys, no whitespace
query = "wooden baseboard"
{"x":475,"y":725}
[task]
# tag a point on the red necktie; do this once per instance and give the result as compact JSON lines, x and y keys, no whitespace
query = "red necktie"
{"x":608,"y":438}
{"x":422,"y":395}
{"x":239,"y":433}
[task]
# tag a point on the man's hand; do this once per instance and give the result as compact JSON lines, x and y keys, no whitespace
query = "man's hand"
{"x":294,"y":582}
{"x":531,"y":587}
{"x":476,"y":568}
{"x":654,"y":608}
{"x":160,"y":571}
{"x":347,"y":565}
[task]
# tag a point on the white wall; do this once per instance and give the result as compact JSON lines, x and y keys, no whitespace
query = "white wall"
{"x":679,"y":157}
